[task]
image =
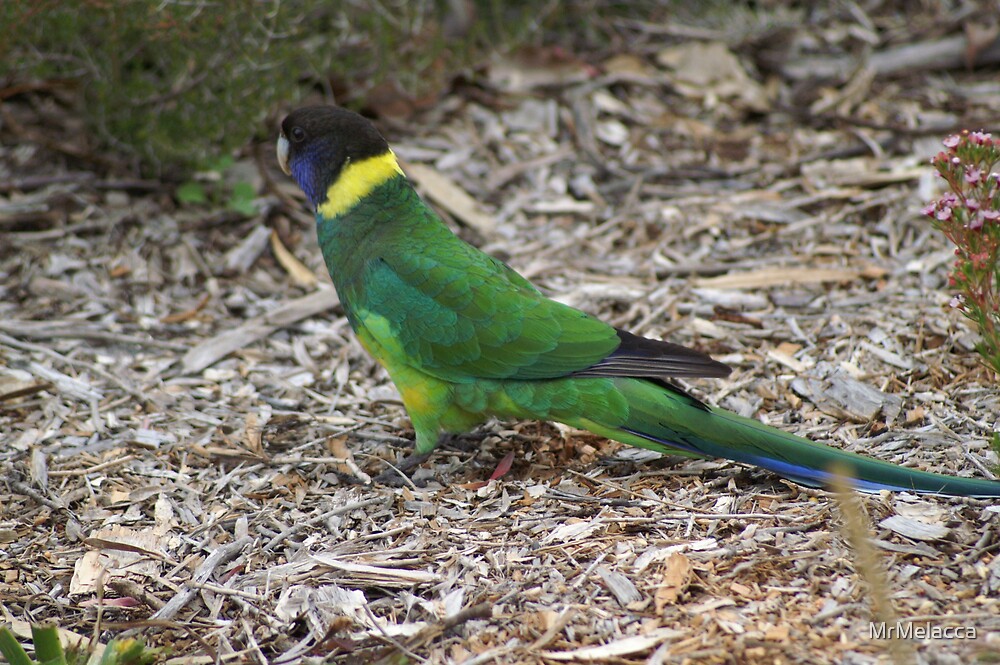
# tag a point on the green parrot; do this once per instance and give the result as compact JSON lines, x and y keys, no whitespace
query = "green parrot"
{"x":464,"y":337}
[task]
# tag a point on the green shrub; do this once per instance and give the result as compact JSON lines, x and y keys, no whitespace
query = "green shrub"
{"x":969,"y":216}
{"x":179,"y":83}
{"x":176,"y":83}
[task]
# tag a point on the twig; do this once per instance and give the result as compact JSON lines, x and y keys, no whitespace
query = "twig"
{"x":298,"y":526}
{"x":127,"y":587}
{"x":480,"y":611}
{"x":203,"y":572}
{"x":29,"y":491}
{"x":77,"y":333}
{"x":936,"y":54}
{"x":209,"y":352}
{"x":92,"y":469}
{"x":35,"y":348}
{"x":31,"y":183}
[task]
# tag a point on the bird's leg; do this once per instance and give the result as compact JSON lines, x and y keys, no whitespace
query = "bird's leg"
{"x":427,"y":439}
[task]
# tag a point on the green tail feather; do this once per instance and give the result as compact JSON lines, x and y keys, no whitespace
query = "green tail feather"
{"x":672,"y":423}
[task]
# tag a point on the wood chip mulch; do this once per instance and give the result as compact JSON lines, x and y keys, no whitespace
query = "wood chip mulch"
{"x":190,"y":428}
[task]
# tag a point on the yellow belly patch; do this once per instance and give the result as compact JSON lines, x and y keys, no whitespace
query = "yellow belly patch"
{"x":416,"y":395}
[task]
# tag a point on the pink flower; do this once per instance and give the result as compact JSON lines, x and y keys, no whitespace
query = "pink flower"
{"x":949,"y":199}
{"x":980,"y":260}
{"x":955,"y":302}
{"x":976,"y":223}
{"x":973,"y":176}
{"x":943,"y":214}
{"x":989,"y":215}
{"x":972,"y":204}
{"x":956,"y":160}
{"x":928,"y":210}
{"x":979,"y":138}
{"x":952,"y":141}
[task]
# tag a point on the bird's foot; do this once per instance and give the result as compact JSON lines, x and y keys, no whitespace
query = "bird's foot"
{"x":396,"y":475}
{"x":466,"y":442}
{"x":401,"y":474}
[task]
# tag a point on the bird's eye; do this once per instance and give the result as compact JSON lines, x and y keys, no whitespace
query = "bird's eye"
{"x":298,"y":134}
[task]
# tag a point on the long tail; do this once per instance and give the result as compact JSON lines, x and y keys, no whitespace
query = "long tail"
{"x":673,"y":422}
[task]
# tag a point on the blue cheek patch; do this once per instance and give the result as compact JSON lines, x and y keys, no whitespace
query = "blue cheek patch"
{"x":305,"y":176}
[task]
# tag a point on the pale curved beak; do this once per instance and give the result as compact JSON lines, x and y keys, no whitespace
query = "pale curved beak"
{"x":283,"y":154}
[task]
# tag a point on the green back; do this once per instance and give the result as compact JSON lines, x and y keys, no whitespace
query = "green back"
{"x":429,"y":299}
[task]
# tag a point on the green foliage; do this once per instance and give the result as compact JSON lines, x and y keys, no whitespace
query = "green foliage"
{"x":11,"y":650}
{"x":49,"y":650}
{"x":241,"y":199}
{"x":969,"y":216}
{"x":192,"y":193}
{"x":175,"y":83}
{"x":129,"y":651}
{"x":219,"y":185}
{"x":169,"y":82}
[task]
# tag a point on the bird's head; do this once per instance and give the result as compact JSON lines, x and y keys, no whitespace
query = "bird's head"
{"x":318,"y":143}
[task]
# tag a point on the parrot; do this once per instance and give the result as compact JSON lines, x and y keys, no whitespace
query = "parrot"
{"x":464,"y":337}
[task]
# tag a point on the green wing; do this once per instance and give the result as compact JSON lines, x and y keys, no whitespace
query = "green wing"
{"x":459,"y":314}
{"x":419,"y":295}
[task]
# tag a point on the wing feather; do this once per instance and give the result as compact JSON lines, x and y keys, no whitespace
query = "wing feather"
{"x":459,"y":314}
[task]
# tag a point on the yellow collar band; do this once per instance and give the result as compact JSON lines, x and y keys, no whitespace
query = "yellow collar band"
{"x":356,"y":181}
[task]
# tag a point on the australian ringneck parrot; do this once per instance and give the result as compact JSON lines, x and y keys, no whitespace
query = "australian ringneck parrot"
{"x":464,"y":337}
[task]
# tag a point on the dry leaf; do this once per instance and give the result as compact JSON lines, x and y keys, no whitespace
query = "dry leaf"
{"x":503,"y":467}
{"x":446,"y":193}
{"x":677,"y":575}
{"x":189,"y":314}
{"x":767,"y":277}
{"x":299,"y":273}
{"x":915,"y":415}
{"x":120,"y":551}
{"x":627,"y":63}
{"x":701,"y":69}
{"x":338,"y":447}
{"x":616,"y":649}
{"x":532,"y":68}
{"x":253,"y":435}
{"x":913,"y":528}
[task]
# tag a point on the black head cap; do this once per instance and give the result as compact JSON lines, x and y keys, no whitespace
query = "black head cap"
{"x":317,"y":142}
